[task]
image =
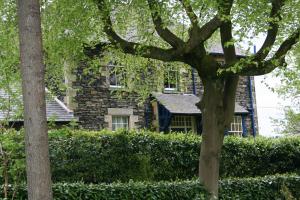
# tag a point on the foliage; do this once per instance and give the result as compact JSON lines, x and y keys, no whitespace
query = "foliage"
{"x":269,"y":187}
{"x":105,"y":156}
{"x":290,"y":89}
{"x":12,"y":158}
{"x":9,"y":72}
{"x":290,"y":124}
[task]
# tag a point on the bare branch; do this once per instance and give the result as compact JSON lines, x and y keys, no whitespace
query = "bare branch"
{"x":129,"y":47}
{"x":162,"y":31}
{"x":272,"y":31}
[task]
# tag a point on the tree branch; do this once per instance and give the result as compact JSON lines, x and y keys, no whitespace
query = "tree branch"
{"x":190,"y":12}
{"x":272,"y":31}
{"x":287,"y":44}
{"x":231,"y":83}
{"x":199,"y":35}
{"x":133,"y":48}
{"x":226,"y":32}
{"x":162,"y":31}
{"x":264,"y":67}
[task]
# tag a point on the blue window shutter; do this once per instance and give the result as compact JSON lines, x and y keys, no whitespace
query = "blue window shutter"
{"x":164,"y":118}
{"x":199,"y":124}
{"x":244,"y":126}
{"x":226,"y":132}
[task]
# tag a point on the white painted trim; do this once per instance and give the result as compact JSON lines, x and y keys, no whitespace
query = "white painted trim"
{"x":62,"y":105}
{"x":116,"y":86}
{"x":59,"y":102}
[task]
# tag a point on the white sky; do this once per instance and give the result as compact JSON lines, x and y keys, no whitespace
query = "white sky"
{"x":269,"y":104}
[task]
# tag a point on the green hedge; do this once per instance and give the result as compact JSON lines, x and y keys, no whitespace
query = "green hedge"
{"x":95,"y":157}
{"x":266,"y":188}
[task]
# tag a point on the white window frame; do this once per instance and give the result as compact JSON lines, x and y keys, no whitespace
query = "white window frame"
{"x":112,"y":71}
{"x":120,"y":125}
{"x":221,"y":62}
{"x":236,"y":126}
{"x":187,"y":122}
{"x":168,"y":78}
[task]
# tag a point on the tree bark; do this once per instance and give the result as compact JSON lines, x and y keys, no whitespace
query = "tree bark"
{"x":214,"y":114}
{"x":33,"y":89}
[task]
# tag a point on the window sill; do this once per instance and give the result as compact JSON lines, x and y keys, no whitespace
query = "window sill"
{"x":116,"y":87}
{"x":171,"y":90}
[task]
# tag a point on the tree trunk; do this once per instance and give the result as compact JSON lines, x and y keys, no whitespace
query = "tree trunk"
{"x":33,"y":88}
{"x":215,"y":119}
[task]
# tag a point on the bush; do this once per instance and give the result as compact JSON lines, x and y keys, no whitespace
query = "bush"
{"x":94,"y":157}
{"x":267,"y":188}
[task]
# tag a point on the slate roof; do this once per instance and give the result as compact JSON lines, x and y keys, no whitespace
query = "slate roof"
{"x":56,"y":110}
{"x":217,"y":49}
{"x":185,"y":103}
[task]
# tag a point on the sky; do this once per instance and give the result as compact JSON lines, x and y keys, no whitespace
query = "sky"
{"x":269,"y":104}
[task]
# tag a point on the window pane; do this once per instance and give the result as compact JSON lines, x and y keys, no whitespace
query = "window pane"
{"x":120,"y":122}
{"x":116,"y":75}
{"x":114,"y":127}
{"x":112,"y":79}
{"x":181,"y":123}
{"x":171,"y":79}
{"x":236,"y":127}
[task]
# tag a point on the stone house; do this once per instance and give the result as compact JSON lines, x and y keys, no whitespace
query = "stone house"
{"x":96,"y":106}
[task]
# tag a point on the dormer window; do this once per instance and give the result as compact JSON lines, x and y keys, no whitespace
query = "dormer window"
{"x":171,"y":79}
{"x":116,"y":76}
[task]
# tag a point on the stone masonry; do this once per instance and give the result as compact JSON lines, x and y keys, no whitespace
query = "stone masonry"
{"x":96,"y":102}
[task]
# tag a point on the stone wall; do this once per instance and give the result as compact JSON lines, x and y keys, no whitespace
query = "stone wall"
{"x":95,"y":99}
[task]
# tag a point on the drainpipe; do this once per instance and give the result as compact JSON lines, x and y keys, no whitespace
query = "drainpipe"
{"x":251,"y":101}
{"x":194,"y":82}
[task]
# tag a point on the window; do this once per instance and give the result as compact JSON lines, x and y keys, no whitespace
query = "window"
{"x":221,"y":62}
{"x":171,"y":79}
{"x":181,"y":123}
{"x":236,"y":127}
{"x":120,"y":122}
{"x":116,"y":76}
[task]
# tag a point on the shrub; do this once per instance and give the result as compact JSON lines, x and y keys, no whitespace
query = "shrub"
{"x":94,"y":157}
{"x":12,"y":157}
{"x":267,"y":188}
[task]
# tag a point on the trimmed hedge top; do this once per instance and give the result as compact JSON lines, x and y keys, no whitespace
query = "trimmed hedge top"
{"x":105,"y":156}
{"x":266,"y":188}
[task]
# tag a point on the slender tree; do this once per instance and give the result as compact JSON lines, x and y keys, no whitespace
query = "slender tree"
{"x":220,"y":81}
{"x":33,"y":89}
